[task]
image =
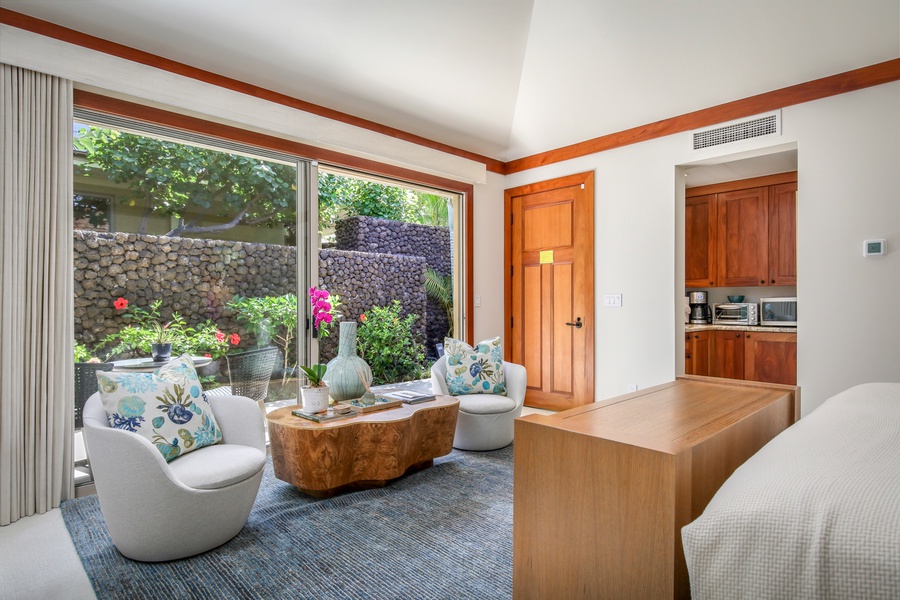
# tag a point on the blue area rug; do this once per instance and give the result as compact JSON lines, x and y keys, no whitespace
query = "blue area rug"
{"x":441,"y":533}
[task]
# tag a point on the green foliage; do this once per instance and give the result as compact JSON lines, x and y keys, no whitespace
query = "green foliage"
{"x":440,"y":287}
{"x":315,"y":374}
{"x":207,"y":338}
{"x":144,"y":328}
{"x":82,"y":354}
{"x":272,"y":318}
{"x":341,"y":196}
{"x":192,"y":183}
{"x":387,"y":343}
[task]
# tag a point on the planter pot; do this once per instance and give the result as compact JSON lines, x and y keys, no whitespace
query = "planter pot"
{"x":210,"y":370}
{"x":315,"y":399}
{"x":160,"y":352}
{"x":343,"y":374}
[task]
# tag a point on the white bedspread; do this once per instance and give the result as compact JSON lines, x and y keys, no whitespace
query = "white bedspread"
{"x":814,"y":514}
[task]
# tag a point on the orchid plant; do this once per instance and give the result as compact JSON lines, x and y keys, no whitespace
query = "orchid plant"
{"x":324,"y":309}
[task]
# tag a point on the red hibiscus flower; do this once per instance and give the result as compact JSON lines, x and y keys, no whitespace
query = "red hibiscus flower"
{"x":362,"y":318}
{"x":220,"y":337}
{"x":235,"y":339}
{"x":120,"y":303}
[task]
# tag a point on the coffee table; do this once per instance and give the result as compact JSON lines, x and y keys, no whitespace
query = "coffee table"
{"x":367,"y":450}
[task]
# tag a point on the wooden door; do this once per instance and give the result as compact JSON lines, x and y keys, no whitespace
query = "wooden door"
{"x":700,"y":345}
{"x":700,"y":225}
{"x":550,"y":290}
{"x":770,"y":357}
{"x":743,"y":240}
{"x":783,"y":234}
{"x":727,"y":354}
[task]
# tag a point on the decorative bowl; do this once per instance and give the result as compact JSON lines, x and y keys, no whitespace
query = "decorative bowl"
{"x":735,"y":298}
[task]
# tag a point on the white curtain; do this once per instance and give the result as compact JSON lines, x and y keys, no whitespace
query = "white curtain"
{"x":36,"y":324}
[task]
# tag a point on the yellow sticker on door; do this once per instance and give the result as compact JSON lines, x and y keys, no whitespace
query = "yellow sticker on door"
{"x":546,"y":257}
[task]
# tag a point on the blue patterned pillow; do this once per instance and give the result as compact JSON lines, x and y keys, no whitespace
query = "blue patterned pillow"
{"x":168,"y":407}
{"x":477,"y":370}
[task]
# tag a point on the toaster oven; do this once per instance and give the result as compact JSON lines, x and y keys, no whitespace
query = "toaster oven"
{"x":736,"y":313}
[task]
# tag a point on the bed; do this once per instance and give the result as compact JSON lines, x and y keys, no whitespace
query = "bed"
{"x":815,"y":514}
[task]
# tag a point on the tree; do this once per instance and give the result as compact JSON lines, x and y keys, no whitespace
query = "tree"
{"x":192,"y":183}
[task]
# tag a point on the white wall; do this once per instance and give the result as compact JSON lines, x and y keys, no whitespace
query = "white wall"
{"x":849,"y":181}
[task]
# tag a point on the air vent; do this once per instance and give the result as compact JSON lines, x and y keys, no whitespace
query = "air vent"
{"x":742,"y":130}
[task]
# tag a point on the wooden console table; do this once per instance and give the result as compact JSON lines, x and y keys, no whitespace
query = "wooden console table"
{"x":602,"y":491}
{"x":367,"y":450}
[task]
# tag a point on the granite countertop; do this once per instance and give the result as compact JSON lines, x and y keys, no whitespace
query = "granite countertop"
{"x":688,"y":327}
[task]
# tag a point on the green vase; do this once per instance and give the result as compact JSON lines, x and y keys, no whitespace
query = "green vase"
{"x":343,"y":374}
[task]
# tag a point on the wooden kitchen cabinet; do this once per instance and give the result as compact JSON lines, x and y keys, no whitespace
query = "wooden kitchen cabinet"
{"x":700,"y":225}
{"x":727,"y":354}
{"x":765,"y":356}
{"x":742,"y":233}
{"x":697,"y":352}
{"x":783,"y":234}
{"x":743,"y":237}
{"x":770,"y":357}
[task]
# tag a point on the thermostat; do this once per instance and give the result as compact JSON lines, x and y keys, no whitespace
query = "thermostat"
{"x":874,"y":248}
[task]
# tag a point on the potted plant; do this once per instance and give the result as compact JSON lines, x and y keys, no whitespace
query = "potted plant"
{"x":161,"y":346}
{"x":315,"y":393}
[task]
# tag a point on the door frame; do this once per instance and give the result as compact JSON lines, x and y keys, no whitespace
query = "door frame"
{"x":586,"y":180}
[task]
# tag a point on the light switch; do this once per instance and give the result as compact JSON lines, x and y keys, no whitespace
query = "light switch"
{"x":477,"y":300}
{"x":612,"y":300}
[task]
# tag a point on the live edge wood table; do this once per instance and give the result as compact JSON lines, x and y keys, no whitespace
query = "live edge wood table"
{"x":602,"y":491}
{"x":368,"y":450}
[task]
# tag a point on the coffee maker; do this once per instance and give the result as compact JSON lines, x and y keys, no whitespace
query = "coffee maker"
{"x":700,"y":312}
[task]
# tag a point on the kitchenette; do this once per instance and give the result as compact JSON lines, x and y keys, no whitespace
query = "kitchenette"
{"x":740,"y":305}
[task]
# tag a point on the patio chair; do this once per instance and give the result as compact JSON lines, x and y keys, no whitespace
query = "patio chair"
{"x":85,"y":386}
{"x":250,"y":372}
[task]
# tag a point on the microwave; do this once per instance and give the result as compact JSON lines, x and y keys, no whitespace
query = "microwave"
{"x":736,"y":313}
{"x":779,"y":312}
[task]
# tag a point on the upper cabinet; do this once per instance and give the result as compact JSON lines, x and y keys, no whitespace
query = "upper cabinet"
{"x":742,"y":233}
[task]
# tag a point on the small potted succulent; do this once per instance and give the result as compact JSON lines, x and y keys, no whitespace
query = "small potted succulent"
{"x":315,"y":394}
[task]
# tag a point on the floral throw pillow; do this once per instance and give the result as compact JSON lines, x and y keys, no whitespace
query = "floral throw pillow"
{"x":168,"y":407}
{"x":477,"y":370}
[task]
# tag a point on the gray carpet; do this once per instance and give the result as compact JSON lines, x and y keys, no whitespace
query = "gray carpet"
{"x":442,"y":533}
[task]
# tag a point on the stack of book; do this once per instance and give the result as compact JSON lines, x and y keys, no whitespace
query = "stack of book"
{"x":409,"y":396}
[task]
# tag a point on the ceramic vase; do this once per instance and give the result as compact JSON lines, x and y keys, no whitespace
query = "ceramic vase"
{"x":343,"y":374}
{"x":314,"y":399}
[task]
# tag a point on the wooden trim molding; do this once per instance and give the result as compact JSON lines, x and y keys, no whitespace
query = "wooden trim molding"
{"x":850,"y":81}
{"x":71,"y":36}
{"x":741,"y":184}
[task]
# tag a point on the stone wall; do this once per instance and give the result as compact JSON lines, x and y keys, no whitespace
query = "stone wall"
{"x":196,"y":278}
{"x":367,"y":234}
{"x":366,"y":279}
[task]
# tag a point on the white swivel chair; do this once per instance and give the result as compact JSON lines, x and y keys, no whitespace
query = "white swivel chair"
{"x":157,"y":511}
{"x":485,"y":421}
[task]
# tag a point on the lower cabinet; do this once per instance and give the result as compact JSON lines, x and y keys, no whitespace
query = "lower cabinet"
{"x":770,"y":357}
{"x":728,"y":354}
{"x":697,"y":352}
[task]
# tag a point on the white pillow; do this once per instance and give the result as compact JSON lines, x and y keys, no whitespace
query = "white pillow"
{"x":168,"y":407}
{"x":477,"y":370}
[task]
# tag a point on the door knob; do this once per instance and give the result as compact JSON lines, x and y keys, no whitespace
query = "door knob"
{"x":577,"y":324}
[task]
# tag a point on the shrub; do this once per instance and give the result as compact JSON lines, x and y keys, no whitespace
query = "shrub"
{"x":387,"y":343}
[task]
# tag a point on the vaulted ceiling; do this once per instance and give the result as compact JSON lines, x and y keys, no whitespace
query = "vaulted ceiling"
{"x":501,"y":78}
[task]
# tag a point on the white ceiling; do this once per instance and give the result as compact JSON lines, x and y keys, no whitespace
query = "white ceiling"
{"x":501,"y":78}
